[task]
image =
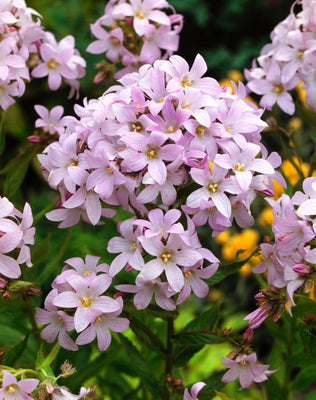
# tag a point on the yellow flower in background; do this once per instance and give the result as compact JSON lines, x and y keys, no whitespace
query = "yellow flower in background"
{"x":235,"y":75}
{"x":291,"y":172}
{"x":266,"y":217}
{"x":240,"y":246}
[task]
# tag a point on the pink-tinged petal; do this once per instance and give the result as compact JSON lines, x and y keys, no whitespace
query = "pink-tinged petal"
{"x":187,"y":257}
{"x":118,"y":245}
{"x":245,"y":377}
{"x":194,"y":199}
{"x":196,"y":388}
{"x":199,"y":66}
{"x":40,"y":71}
{"x":199,"y":288}
{"x":231,"y":375}
{"x":104,"y":337}
{"x":10,"y":241}
{"x":149,"y":194}
{"x":43,"y":317}
{"x":66,"y":342}
{"x":94,"y":208}
{"x":143,"y":297}
{"x":222,"y":203}
{"x":159,"y":17}
{"x":286,"y":103}
{"x":5,"y":207}
{"x":244,"y":179}
{"x":262,"y":166}
{"x":50,"y":332}
{"x":152,"y":245}
{"x":118,"y":324}
{"x":98,"y":46}
{"x":8,"y":379}
{"x":67,"y":299}
{"x":136,"y":261}
{"x":9,"y":267}
{"x":168,"y":194}
{"x":54,"y":80}
{"x":83,"y":317}
{"x":157,"y":170}
{"x":152,"y":270}
{"x":106,"y":304}
{"x":87,"y":336}
{"x":175,"y":277}
{"x":28,"y":385}
{"x":119,"y":263}
{"x":308,"y":207}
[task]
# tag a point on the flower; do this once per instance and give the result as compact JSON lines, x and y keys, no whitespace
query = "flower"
{"x":12,"y":389}
{"x":247,"y":369}
{"x":194,"y":391}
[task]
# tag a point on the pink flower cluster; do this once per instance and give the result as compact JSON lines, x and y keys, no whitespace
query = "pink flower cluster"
{"x":287,"y":60}
{"x":26,"y":49}
{"x":17,"y":390}
{"x":136,"y":32}
{"x":16,"y":233}
{"x":77,"y":302}
{"x":175,"y":256}
{"x":290,"y":258}
{"x":164,"y":136}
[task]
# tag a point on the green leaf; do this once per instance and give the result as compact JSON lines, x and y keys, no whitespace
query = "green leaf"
{"x":226,"y":270}
{"x":16,"y":169}
{"x":213,"y":383}
{"x":141,"y":367}
{"x":50,"y":358}
{"x":157,"y":312}
{"x":274,"y":389}
{"x":206,"y":320}
{"x":15,"y":352}
{"x":304,"y":379}
{"x":146,"y":336}
{"x":224,"y":396}
{"x":185,"y":354}
{"x":41,"y":251}
{"x":196,"y":338}
{"x":309,"y":341}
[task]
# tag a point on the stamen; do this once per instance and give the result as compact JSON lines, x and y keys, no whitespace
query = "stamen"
{"x":239,"y":167}
{"x":115,"y":41}
{"x":52,"y":64}
{"x":137,"y":127}
{"x":98,"y":320}
{"x":171,"y":129}
{"x":11,"y":389}
{"x":186,"y":82}
{"x":152,"y":153}
{"x":278,"y":89}
{"x":166,"y":256}
{"x":140,"y":14}
{"x":133,"y":246}
{"x":187,"y":274}
{"x":200,"y":130}
{"x":86,"y":301}
{"x":212,"y":187}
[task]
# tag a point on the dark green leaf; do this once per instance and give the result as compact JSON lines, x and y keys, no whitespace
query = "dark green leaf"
{"x":206,"y":320}
{"x":309,"y":341}
{"x":41,"y":251}
{"x":185,"y":354}
{"x":213,"y":383}
{"x":226,"y":270}
{"x":223,"y":396}
{"x":196,"y":338}
{"x":157,"y":312}
{"x":15,"y":352}
{"x":141,"y":367}
{"x":274,"y":389}
{"x":146,"y":336}
{"x":16,"y":169}
{"x":304,"y":379}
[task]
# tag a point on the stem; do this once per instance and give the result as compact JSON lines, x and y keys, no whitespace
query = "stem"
{"x":2,"y":135}
{"x":288,"y":368}
{"x":169,"y":357}
{"x":35,"y":329}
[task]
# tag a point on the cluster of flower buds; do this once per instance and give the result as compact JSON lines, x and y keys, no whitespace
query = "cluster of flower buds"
{"x":174,"y":258}
{"x":287,"y":60}
{"x":27,"y":50}
{"x":290,"y":258}
{"x":165,"y":137}
{"x":16,"y":232}
{"x":77,"y":302}
{"x":135,"y":32}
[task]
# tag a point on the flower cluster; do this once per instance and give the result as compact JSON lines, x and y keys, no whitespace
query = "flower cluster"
{"x":290,"y":258}
{"x":14,"y":389}
{"x":287,"y":60}
{"x":26,"y":49}
{"x":175,"y":256}
{"x":135,"y":32}
{"x":16,"y":233}
{"x":77,"y":302}
{"x":166,"y":135}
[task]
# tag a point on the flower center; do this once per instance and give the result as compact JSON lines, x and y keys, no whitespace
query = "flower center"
{"x":243,"y":362}
{"x":166,"y":256}
{"x":187,"y":274}
{"x":87,"y":273}
{"x":52,"y":64}
{"x":278,"y":89}
{"x":152,"y":153}
{"x":98,"y":320}
{"x":186,"y":82}
{"x":115,"y":41}
{"x":239,"y":167}
{"x":171,"y":129}
{"x":73,"y":163}
{"x":200,"y":130}
{"x":133,"y":246}
{"x":137,"y":127}
{"x":140,"y":14}
{"x":11,"y":389}
{"x":228,"y":128}
{"x":86,"y":301}
{"x":212,"y":187}
{"x":110,"y":169}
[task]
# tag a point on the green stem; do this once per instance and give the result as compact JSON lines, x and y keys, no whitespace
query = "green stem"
{"x":2,"y":134}
{"x":288,"y":368}
{"x":169,"y":357}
